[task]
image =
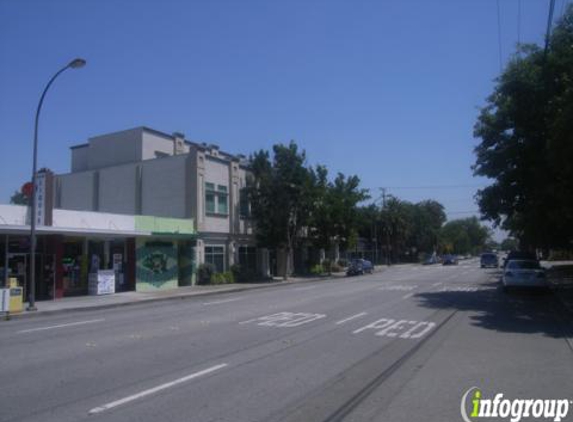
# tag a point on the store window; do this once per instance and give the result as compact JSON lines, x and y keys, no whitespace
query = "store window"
{"x":216,"y":199}
{"x":248,"y":257}
{"x":215,"y":255}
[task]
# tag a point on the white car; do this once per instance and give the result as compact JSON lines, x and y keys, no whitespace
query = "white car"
{"x":523,"y":273}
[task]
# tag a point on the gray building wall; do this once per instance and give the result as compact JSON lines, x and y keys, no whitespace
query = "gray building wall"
{"x":163,"y":187}
{"x":80,"y":158}
{"x":117,"y":189}
{"x":114,"y":149}
{"x":75,"y":191}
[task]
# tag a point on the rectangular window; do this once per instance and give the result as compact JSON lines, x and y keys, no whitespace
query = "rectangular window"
{"x":222,"y":200}
{"x":210,"y":198}
{"x":216,"y":200}
{"x":215,"y":255}
{"x":248,"y":257}
{"x":244,"y":208}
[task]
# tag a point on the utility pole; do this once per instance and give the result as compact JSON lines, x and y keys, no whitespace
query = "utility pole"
{"x":386,"y":228}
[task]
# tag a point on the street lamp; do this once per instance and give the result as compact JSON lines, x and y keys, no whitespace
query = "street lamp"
{"x":74,"y":64}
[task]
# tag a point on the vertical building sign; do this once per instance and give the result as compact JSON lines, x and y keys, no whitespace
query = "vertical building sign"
{"x":44,"y":200}
{"x":40,"y":199}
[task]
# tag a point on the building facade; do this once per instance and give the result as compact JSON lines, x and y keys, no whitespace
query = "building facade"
{"x":142,"y":171}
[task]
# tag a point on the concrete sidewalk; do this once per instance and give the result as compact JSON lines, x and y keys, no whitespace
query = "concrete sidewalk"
{"x":87,"y":303}
{"x":560,"y":278}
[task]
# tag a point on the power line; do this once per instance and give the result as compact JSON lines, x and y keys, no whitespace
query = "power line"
{"x":434,"y":187}
{"x":499,"y":37}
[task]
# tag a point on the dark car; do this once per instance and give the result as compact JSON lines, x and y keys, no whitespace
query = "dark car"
{"x":359,"y":266}
{"x":519,"y":255}
{"x":450,"y":260}
{"x":489,"y":260}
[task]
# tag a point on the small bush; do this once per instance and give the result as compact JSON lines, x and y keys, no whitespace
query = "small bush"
{"x":336,"y":268}
{"x":204,"y":273}
{"x":317,"y":269}
{"x":222,"y":278}
{"x":343,"y":262}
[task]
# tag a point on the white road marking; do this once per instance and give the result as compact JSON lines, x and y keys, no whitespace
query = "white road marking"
{"x":154,"y":390}
{"x":399,"y":287}
{"x":387,"y":327}
{"x":71,"y":324}
{"x":218,"y":302}
{"x":439,"y":283}
{"x":285,"y":319}
{"x":351,"y":318}
{"x":409,"y":295}
{"x":305,"y":288}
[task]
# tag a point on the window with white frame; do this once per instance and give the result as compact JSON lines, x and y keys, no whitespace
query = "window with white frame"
{"x":216,"y":199}
{"x":215,"y":255}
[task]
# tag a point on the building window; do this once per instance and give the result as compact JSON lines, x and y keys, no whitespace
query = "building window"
{"x":248,"y":258}
{"x":210,"y":198}
{"x":244,"y":208}
{"x":215,"y":255}
{"x":216,"y":200}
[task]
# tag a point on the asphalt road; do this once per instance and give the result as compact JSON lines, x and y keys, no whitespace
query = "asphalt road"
{"x":401,"y":345}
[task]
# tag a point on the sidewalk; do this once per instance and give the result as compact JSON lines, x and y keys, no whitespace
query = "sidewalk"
{"x":88,"y":303}
{"x":560,"y":278}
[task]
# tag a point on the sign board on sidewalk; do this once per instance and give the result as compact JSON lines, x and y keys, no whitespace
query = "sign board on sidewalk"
{"x":102,"y":282}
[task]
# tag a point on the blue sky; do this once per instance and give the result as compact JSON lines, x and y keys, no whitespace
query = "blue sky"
{"x":386,"y":90}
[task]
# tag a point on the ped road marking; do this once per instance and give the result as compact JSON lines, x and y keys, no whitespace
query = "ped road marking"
{"x":71,"y":324}
{"x":154,"y":390}
{"x":218,"y":302}
{"x":351,"y":318}
{"x":403,"y":328}
{"x":399,"y":288}
{"x":285,"y":319}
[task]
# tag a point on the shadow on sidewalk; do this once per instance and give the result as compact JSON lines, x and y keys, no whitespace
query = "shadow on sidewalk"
{"x":526,"y":312}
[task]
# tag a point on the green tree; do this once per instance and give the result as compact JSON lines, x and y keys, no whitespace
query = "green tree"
{"x":281,"y":197}
{"x":463,"y":236}
{"x":526,"y":148}
{"x":18,"y":198}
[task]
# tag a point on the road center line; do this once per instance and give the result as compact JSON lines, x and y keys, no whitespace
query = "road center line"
{"x":351,"y":318}
{"x":153,"y":390}
{"x":71,"y":324}
{"x":217,"y":302}
{"x":305,"y":288}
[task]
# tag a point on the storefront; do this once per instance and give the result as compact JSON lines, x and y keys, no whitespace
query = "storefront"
{"x":143,"y":253}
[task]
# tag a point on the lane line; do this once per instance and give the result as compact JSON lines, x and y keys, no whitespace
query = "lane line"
{"x":351,"y":318}
{"x":305,"y":288}
{"x":217,"y":302}
{"x":71,"y":324}
{"x":154,"y":390}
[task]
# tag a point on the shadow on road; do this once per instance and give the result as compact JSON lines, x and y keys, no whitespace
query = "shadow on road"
{"x":526,"y":312}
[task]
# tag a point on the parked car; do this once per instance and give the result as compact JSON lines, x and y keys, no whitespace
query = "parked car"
{"x":450,"y":260}
{"x":359,"y":267}
{"x":523,"y":273}
{"x":519,"y":255}
{"x":489,"y":260}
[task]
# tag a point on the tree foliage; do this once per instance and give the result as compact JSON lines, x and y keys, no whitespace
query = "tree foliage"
{"x":464,"y":236}
{"x":526,"y":132}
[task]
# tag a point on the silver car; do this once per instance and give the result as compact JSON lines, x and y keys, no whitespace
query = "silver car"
{"x":523,"y":273}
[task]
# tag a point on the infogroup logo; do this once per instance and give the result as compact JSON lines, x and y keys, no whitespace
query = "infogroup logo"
{"x":514,"y":410}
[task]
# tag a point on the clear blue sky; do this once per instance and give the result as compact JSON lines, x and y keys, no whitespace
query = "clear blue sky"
{"x":386,"y":90}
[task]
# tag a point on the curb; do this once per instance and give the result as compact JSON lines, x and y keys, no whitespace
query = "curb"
{"x":183,"y":296}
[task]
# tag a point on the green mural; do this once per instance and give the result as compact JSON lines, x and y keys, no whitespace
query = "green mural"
{"x":156,"y":265}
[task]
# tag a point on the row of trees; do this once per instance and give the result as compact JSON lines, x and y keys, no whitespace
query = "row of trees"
{"x":526,"y":148}
{"x":293,"y":203}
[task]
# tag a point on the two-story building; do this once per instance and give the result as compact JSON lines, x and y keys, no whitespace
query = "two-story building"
{"x":142,"y":171}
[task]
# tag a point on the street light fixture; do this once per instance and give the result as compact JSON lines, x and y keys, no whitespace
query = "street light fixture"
{"x":74,"y":64}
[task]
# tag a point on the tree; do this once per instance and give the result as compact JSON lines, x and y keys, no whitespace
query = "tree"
{"x":281,"y":197}
{"x":526,"y":147}
{"x":19,"y":198}
{"x":463,"y":236}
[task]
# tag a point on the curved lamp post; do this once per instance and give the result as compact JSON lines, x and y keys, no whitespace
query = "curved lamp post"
{"x":74,"y":64}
